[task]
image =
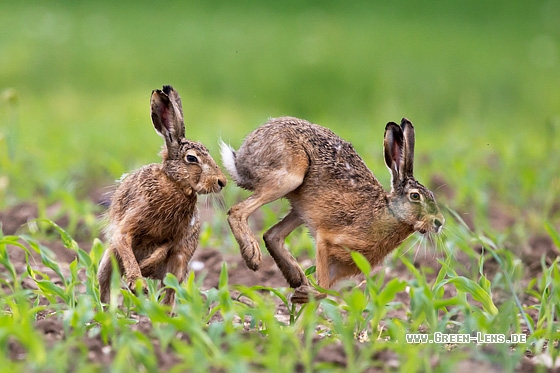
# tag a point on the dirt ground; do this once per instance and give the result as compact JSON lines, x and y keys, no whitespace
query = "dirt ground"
{"x":208,"y":263}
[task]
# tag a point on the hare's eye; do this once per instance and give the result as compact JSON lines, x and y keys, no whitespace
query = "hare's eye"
{"x":415,"y":196}
{"x":192,"y":159}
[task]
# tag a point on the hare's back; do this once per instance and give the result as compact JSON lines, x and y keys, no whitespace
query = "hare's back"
{"x":281,"y":139}
{"x":273,"y":151}
{"x":290,"y":145}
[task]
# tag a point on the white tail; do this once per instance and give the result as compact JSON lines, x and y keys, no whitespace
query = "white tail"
{"x":228,"y":160}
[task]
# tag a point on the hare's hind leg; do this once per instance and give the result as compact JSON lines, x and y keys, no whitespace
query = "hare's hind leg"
{"x":105,"y":272}
{"x":274,"y":240}
{"x":276,"y":186}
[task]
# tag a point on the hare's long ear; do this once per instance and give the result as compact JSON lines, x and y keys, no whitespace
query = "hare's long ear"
{"x":174,"y":96}
{"x":408,"y":132}
{"x":393,"y":146}
{"x":167,"y":118}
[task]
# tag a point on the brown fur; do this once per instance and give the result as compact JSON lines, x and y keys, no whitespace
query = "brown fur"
{"x":332,"y":192}
{"x":153,"y":218}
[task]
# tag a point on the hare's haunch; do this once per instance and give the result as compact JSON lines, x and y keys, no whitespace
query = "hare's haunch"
{"x":153,"y":218}
{"x":332,"y":192}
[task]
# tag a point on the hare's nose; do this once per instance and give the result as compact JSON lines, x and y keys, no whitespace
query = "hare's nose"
{"x":438,"y":224}
{"x":222,"y":182}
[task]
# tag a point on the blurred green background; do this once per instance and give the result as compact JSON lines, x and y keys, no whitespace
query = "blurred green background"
{"x":480,"y":80}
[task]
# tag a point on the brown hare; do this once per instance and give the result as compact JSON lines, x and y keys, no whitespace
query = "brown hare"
{"x":332,"y":192}
{"x":153,"y":218}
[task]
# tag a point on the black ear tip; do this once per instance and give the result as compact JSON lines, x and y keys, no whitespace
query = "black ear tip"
{"x":390,"y":124}
{"x":159,"y":96}
{"x":406,"y":122}
{"x":167,"y":89}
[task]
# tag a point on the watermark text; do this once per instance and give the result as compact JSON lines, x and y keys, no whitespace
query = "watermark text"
{"x":438,"y":337}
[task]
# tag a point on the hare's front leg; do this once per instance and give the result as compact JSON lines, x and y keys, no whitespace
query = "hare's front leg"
{"x":178,"y":262}
{"x":155,"y":263}
{"x":123,"y":247}
{"x":325,"y":276}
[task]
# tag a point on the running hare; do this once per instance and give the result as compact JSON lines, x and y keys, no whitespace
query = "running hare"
{"x":153,"y":219}
{"x":332,"y":192}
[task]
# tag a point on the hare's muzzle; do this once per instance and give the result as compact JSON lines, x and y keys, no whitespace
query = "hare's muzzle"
{"x":222,"y":182}
{"x":432,"y":224}
{"x":218,"y":183}
{"x":211,"y":184}
{"x":438,"y":224}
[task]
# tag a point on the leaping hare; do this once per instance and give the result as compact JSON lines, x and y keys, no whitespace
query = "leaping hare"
{"x":332,"y":192}
{"x":153,"y":218}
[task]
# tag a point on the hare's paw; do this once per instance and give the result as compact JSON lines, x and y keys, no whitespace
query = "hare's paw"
{"x":169,"y":298}
{"x":138,"y":285}
{"x":251,"y":253}
{"x":305,"y":293}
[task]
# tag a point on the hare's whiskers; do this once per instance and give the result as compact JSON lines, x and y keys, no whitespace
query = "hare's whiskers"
{"x":418,"y":246}
{"x":414,"y":243}
{"x":218,"y":202}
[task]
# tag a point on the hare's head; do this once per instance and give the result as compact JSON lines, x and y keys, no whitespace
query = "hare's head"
{"x":411,"y":202}
{"x":187,"y":162}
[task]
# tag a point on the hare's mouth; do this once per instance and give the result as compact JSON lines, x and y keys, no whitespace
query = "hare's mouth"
{"x":421,"y":227}
{"x":215,"y":186}
{"x":209,"y":190}
{"x":425,"y":227}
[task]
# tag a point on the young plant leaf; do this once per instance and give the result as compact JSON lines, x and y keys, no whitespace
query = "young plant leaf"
{"x":477,"y":292}
{"x":361,"y":262}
